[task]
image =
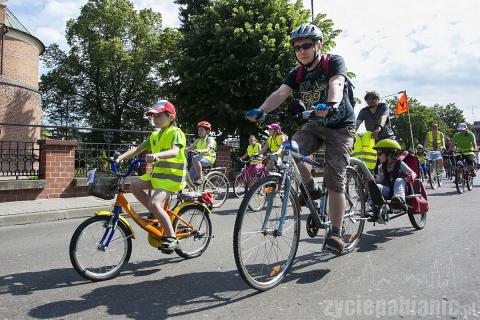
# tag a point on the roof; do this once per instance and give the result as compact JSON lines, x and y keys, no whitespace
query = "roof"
{"x":12,"y":22}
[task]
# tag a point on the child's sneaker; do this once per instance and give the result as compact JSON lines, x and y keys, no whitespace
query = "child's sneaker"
{"x":168,"y":245}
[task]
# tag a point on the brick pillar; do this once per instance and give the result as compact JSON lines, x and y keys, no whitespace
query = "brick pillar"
{"x":223,"y":157}
{"x":57,"y":166}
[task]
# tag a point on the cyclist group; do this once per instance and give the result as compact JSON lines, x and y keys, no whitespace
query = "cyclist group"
{"x":320,"y":81}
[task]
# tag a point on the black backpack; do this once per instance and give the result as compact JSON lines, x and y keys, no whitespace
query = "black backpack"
{"x":324,"y":60}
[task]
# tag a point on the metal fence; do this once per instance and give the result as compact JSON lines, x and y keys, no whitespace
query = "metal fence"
{"x":19,"y":159}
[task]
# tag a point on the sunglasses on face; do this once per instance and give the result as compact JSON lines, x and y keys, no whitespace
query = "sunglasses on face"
{"x":304,"y":46}
{"x":370,"y":98}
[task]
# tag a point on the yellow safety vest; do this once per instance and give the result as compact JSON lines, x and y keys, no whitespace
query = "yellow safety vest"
{"x":211,"y":154}
{"x":253,"y":151}
{"x":440,"y":145}
{"x":363,"y":149}
{"x":274,"y":145}
{"x":167,"y":174}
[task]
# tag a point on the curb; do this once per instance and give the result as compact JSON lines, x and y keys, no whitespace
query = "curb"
{"x":33,"y":217}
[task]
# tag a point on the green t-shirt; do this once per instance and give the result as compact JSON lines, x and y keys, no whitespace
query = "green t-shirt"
{"x":177,"y":140}
{"x":464,"y":142}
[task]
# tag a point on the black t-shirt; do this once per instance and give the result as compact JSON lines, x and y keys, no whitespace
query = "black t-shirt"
{"x":313,"y":89}
{"x":373,"y":119}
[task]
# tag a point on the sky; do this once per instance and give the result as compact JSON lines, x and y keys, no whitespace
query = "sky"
{"x":430,"y":48}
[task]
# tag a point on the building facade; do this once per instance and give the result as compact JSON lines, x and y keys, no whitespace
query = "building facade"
{"x":19,"y":71}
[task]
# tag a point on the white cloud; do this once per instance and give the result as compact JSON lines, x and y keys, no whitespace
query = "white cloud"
{"x":430,"y":48}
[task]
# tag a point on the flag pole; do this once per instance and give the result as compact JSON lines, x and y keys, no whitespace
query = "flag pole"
{"x":410,"y":122}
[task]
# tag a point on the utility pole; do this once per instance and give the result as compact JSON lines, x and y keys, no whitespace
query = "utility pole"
{"x":312,"y":10}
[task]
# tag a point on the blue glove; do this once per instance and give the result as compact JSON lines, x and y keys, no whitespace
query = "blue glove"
{"x":257,"y":113}
{"x":322,"y":107}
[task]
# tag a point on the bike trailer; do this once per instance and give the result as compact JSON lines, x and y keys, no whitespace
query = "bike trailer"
{"x":417,"y":202}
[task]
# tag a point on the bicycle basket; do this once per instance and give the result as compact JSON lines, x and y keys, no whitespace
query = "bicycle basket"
{"x":103,"y":186}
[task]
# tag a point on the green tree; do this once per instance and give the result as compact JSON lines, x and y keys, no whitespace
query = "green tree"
{"x":451,"y":116}
{"x":237,"y":53}
{"x":422,"y":117}
{"x":118,"y":59}
{"x":190,"y":8}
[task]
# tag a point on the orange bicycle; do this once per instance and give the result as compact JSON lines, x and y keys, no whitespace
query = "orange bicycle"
{"x":101,"y":246}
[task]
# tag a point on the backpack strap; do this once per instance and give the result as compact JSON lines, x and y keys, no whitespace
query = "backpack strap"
{"x":298,"y":76}
{"x":323,"y":64}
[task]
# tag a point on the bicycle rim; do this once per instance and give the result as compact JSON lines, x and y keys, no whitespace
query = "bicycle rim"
{"x":90,"y":259}
{"x":353,"y":221}
{"x":257,"y":201}
{"x":217,"y":184}
{"x":239,"y":186}
{"x":263,"y":258}
{"x":460,"y":181}
{"x":196,"y":243}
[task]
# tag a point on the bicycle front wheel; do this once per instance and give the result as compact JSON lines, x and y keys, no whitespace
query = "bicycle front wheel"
{"x":263,"y":251}
{"x":217,"y":184}
{"x":460,"y":181}
{"x":354,"y":218}
{"x":88,"y":254}
{"x":192,"y":242}
{"x":469,"y":182}
{"x":239,"y":185}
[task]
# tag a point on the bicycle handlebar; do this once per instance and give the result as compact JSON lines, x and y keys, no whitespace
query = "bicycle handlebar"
{"x":134,"y":165}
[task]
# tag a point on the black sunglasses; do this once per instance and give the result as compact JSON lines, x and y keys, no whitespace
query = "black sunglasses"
{"x":304,"y":46}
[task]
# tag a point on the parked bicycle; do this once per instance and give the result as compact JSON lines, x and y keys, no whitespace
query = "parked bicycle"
{"x":101,"y":245}
{"x":265,"y":241}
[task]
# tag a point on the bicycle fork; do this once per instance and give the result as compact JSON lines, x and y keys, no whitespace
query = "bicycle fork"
{"x":110,"y":226}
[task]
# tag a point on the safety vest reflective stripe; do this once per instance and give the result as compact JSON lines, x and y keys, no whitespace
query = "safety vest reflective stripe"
{"x":211,"y":154}
{"x":430,"y":141}
{"x":168,"y":174}
{"x":274,"y":145}
{"x":170,"y":165}
{"x":172,"y":177}
{"x":252,"y":152}
{"x":363,"y":149}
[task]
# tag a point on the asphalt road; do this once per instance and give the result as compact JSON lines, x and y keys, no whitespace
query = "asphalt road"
{"x":396,"y":273}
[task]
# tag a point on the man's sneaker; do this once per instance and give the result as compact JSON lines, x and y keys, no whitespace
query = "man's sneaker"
{"x":314,"y":195}
{"x":168,"y":245}
{"x":336,"y":243}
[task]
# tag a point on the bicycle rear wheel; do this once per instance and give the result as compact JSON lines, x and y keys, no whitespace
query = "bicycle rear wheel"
{"x":192,"y":244}
{"x":217,"y":184}
{"x":418,"y":221}
{"x":239,"y":185}
{"x":459,"y":181}
{"x":88,"y":255}
{"x":353,"y":220}
{"x":263,"y":257}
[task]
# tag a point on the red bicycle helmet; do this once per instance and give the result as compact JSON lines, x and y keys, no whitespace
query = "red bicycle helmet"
{"x":204,"y":124}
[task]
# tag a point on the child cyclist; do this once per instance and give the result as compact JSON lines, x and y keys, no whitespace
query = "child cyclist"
{"x":205,"y":147}
{"x":392,"y":173}
{"x":253,"y":153}
{"x":273,"y":144}
{"x":166,"y":151}
{"x":422,"y":159}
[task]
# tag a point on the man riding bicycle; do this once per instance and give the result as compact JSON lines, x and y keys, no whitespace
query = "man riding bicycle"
{"x":465,"y":141}
{"x":334,"y":122}
{"x":435,"y":143}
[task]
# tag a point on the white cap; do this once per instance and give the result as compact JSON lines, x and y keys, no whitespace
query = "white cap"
{"x":462,"y":126}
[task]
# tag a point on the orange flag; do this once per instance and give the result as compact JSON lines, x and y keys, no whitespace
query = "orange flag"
{"x":402,"y":104}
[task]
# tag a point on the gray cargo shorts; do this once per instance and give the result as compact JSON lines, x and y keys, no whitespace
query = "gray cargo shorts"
{"x":338,"y":147}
